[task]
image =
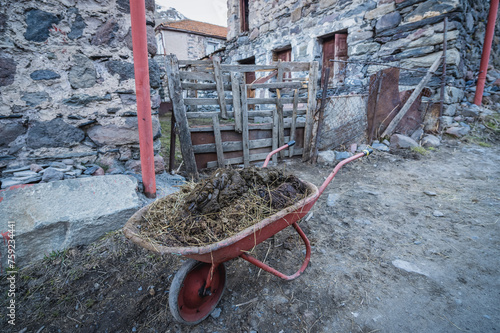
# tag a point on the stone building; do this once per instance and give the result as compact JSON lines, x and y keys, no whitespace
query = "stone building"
{"x":188,"y":39}
{"x":67,"y":83}
{"x":404,"y":33}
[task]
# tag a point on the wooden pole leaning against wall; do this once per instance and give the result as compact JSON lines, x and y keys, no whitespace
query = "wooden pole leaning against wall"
{"x":311,"y":108}
{"x":141,"y":72}
{"x":175,"y":93}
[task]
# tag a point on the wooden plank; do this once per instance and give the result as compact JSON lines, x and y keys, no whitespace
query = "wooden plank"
{"x":277,"y":85}
{"x":195,"y":63}
{"x":218,"y":141}
{"x":275,"y":135}
{"x":294,"y":120}
{"x":235,"y":83}
{"x":321,"y":112}
{"x":202,"y":76}
{"x":203,"y":86}
{"x":311,"y":107}
{"x":251,"y":127}
{"x":253,"y":158}
{"x":392,"y":125}
{"x":284,"y":100}
{"x":205,"y":101}
{"x":230,"y":146}
{"x":220,"y":88}
{"x":290,"y":66}
{"x":251,"y":114}
{"x":279,"y":111}
{"x":244,"y":121}
{"x":175,"y":92}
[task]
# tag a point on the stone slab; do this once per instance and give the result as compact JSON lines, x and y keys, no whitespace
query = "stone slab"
{"x":54,"y":216}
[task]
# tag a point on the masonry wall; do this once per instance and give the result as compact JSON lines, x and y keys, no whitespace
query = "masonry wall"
{"x":67,"y":83}
{"x":406,"y":33}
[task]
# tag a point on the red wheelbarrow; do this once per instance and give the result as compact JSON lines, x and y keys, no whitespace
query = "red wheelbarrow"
{"x":198,"y":285}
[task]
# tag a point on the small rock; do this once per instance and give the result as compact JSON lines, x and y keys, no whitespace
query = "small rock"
{"x":417,"y":135}
{"x":430,"y":140}
{"x":386,"y":142}
{"x":458,"y":131}
{"x":339,"y":156}
{"x":159,"y":164}
{"x":402,"y":141}
{"x":216,"y":313}
{"x":437,"y":213}
{"x":326,"y":157}
{"x":363,"y":221}
{"x":429,"y":193}
{"x":354,"y":147}
{"x":332,"y":198}
{"x":98,"y":172}
{"x":417,"y":242}
{"x":27,"y":173}
{"x":408,"y":267}
{"x":68,"y":161}
{"x":52,"y":174}
{"x":35,"y":167}
{"x":90,"y":170}
{"x":58,"y":165}
{"x":380,"y":146}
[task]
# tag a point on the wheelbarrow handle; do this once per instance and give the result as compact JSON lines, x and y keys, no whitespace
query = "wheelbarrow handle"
{"x":365,"y":152}
{"x":289,"y":144}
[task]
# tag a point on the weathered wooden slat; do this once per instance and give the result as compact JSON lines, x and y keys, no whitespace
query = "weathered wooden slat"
{"x":218,"y":141}
{"x":220,"y":88}
{"x":279,"y":110}
{"x":195,"y":62}
{"x":294,"y":120}
{"x":230,"y":146}
{"x":252,"y":157}
{"x":277,"y":85}
{"x":284,"y":100}
{"x":235,"y":83}
{"x":244,"y":121}
{"x":202,"y":76}
{"x":205,"y":101}
{"x":175,"y":91}
{"x":251,"y":114}
{"x":311,"y":107}
{"x":275,"y":134}
{"x":203,"y":86}
{"x":251,"y":127}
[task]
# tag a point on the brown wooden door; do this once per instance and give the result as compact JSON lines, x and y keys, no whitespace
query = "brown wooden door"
{"x":284,"y":55}
{"x":249,"y":78}
{"x":340,"y":54}
{"x":328,"y":53}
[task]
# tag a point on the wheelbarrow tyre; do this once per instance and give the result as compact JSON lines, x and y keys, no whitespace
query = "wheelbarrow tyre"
{"x":185,"y":303}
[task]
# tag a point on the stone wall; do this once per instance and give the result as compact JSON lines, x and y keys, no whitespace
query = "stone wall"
{"x":404,"y":33}
{"x":67,"y":83}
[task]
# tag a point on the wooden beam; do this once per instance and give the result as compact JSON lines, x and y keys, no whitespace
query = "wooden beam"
{"x":175,"y":92}
{"x":277,"y":85}
{"x":392,"y":125}
{"x":230,"y":146}
{"x":251,"y":114}
{"x":294,"y":120}
{"x":203,"y":86}
{"x":220,"y":88}
{"x":218,"y":141}
{"x":252,"y":158}
{"x":279,"y":111}
{"x":202,"y":76}
{"x":251,"y":127}
{"x":311,"y":107}
{"x":235,"y":84}
{"x":244,"y":120}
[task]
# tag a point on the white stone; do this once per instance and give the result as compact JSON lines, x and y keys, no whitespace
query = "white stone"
{"x":408,"y":267}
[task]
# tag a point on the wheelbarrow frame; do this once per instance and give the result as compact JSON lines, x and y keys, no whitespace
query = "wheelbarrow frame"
{"x":240,"y":244}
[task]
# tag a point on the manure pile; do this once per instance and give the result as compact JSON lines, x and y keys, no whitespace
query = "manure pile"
{"x":220,"y":206}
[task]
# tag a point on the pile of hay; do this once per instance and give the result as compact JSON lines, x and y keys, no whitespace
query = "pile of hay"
{"x":220,"y":206}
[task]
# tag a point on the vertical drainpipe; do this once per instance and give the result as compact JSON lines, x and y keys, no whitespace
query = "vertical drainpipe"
{"x":488,"y":38}
{"x":141,"y":71}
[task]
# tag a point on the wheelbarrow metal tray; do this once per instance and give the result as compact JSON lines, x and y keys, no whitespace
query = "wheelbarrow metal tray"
{"x":231,"y":247}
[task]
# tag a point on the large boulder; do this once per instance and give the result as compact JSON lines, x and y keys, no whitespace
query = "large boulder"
{"x":402,"y":141}
{"x":53,"y":216}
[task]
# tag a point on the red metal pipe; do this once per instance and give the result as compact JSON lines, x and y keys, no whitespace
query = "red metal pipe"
{"x":141,"y":71}
{"x":488,"y":38}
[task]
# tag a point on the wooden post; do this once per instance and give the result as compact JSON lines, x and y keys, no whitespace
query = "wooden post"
{"x":294,"y":119}
{"x":235,"y":86}
{"x":218,"y":141}
{"x":413,"y":97}
{"x":321,"y":113}
{"x":311,"y":107}
{"x":219,"y":82}
{"x":279,"y":110}
{"x":171,"y":158}
{"x":244,"y":116}
{"x":175,"y":93}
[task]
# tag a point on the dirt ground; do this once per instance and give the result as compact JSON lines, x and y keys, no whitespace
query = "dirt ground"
{"x":405,"y":245}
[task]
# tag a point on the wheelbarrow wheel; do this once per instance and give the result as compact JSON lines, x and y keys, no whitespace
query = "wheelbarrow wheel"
{"x":186,"y":303}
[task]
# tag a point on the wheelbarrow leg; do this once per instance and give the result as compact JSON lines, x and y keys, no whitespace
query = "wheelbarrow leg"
{"x":273,"y":271}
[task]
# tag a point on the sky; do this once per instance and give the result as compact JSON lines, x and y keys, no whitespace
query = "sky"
{"x":209,"y":11}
